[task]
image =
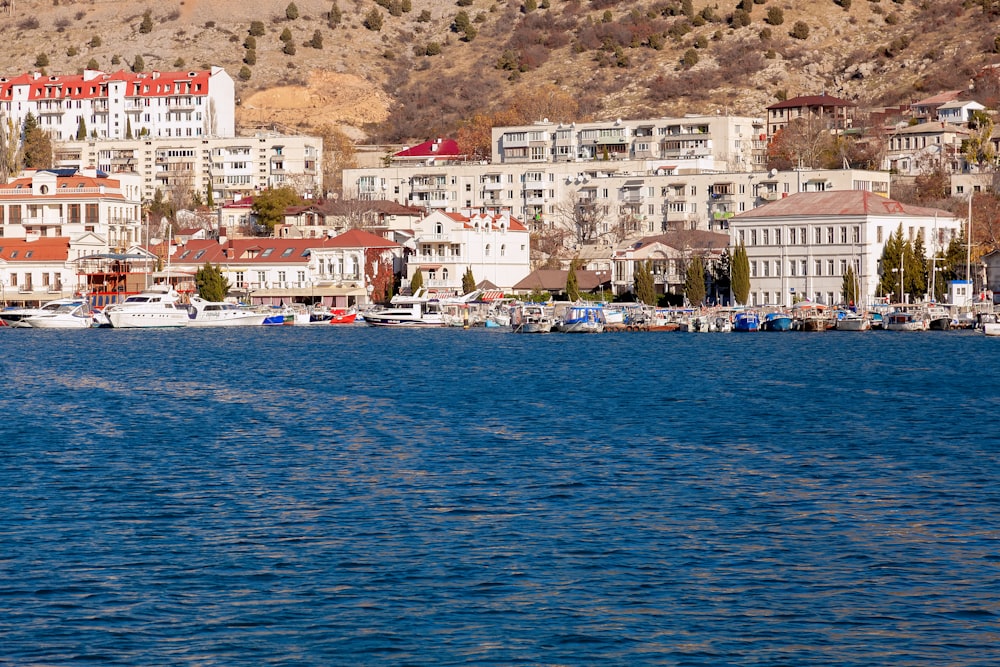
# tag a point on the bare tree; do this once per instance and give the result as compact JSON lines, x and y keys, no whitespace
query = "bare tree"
{"x":583,"y":216}
{"x":10,"y":151}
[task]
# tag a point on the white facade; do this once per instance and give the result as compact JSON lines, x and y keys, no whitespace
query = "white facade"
{"x":723,"y":143}
{"x":232,"y":167}
{"x":641,"y":196}
{"x":56,"y":203}
{"x":154,"y":104}
{"x":496,"y":247}
{"x":802,"y":246}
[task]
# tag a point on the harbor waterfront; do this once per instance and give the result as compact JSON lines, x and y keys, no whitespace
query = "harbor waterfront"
{"x":380,"y":496}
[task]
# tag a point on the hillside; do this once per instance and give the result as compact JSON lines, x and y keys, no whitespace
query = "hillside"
{"x":429,"y":67}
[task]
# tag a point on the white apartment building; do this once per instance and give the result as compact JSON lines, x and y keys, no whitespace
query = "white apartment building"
{"x":495,"y":247}
{"x":73,"y":204}
{"x":232,"y":167}
{"x":154,"y":104}
{"x":693,"y":142}
{"x":635,"y":197}
{"x":803,"y":244}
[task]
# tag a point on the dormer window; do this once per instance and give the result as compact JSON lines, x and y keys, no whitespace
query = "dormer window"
{"x":288,"y":252}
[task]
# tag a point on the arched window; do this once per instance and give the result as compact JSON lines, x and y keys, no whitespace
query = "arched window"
{"x":503,"y":250}
{"x":444,"y":275}
{"x":439,"y":228}
{"x":487,"y":253}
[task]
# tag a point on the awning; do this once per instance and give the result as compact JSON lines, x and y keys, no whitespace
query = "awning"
{"x":491,"y":295}
{"x":428,"y":267}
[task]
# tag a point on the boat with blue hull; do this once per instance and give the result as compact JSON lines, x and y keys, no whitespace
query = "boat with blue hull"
{"x":582,"y":319}
{"x":746,"y":321}
{"x":777,"y":322}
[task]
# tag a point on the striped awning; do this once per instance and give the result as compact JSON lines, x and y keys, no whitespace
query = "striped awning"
{"x":491,"y":295}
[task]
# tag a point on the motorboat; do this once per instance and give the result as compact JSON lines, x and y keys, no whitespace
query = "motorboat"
{"x":156,"y":306}
{"x":416,"y":311}
{"x":15,"y":316}
{"x":343,"y":315}
{"x":582,"y":319}
{"x":938,"y":318}
{"x":62,"y":314}
{"x":530,"y":318}
{"x":777,"y":321}
{"x":203,"y":313}
{"x":851,"y":321}
{"x":904,"y":320}
{"x":746,"y":320}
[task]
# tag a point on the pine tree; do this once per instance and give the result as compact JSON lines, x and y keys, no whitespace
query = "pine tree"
{"x":916,"y":269}
{"x":146,"y":26}
{"x":740,"y":274}
{"x":892,"y":261}
{"x":291,"y":12}
{"x":128,"y":127}
{"x":694,"y":285}
{"x":212,"y":285}
{"x":81,"y":129}
{"x":37,"y":145}
{"x":335,"y":15}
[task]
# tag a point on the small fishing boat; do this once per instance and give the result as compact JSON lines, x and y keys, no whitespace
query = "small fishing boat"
{"x":777,"y":321}
{"x":746,"y":320}
{"x":582,"y":319}
{"x":530,"y":318}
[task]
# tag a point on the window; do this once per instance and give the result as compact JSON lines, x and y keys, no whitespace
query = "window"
{"x":503,"y":250}
{"x":843,"y":234}
{"x":857,"y":234}
{"x":829,"y":235}
{"x":777,"y":237}
{"x":843,"y":266}
{"x":753,"y":237}
{"x":487,"y":250}
{"x":288,"y":252}
{"x":791,"y":236}
{"x":817,"y":235}
{"x":766,"y":266}
{"x":267,"y":252}
{"x":765,"y":236}
{"x":818,"y":267}
{"x":804,"y":266}
{"x":878,"y":234}
{"x":753,"y":269}
{"x":829,"y":267}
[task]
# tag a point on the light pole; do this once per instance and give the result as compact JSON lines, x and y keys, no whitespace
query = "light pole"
{"x":968,"y":246}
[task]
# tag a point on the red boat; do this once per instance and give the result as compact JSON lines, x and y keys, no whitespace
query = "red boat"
{"x":341,"y":316}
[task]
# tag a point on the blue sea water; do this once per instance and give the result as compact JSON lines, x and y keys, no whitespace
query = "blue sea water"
{"x":355,"y":496}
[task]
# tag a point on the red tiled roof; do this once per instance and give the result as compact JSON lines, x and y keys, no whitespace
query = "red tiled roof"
{"x":289,"y":251}
{"x":940,"y":98}
{"x":838,"y":202}
{"x":66,"y":186}
{"x":45,"y":249}
{"x":554,"y":280}
{"x":77,"y":86}
{"x":435,"y":148}
{"x":823,"y":100}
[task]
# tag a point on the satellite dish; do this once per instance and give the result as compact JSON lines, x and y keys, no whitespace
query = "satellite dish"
{"x":774,"y":172}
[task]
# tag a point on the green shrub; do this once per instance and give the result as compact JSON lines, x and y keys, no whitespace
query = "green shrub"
{"x":146,"y":26}
{"x":373,"y":20}
{"x":291,"y":11}
{"x":95,"y":41}
{"x":800,"y":30}
{"x":775,"y":16}
{"x":245,"y":73}
{"x":256,"y":28}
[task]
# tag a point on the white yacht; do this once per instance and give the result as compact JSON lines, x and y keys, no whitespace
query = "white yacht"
{"x":156,"y":306}
{"x":62,"y":314}
{"x":418,"y":310}
{"x":204,"y":313}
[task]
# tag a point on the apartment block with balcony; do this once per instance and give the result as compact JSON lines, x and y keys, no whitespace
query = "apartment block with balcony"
{"x":231,"y":167}
{"x":124,"y":104}
{"x":695,"y":142}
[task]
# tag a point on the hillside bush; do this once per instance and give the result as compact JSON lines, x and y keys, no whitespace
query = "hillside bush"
{"x":373,"y":20}
{"x":775,"y":16}
{"x":95,"y":41}
{"x":146,"y":26}
{"x":245,"y":73}
{"x":800,"y":30}
{"x":256,"y":28}
{"x":291,"y":11}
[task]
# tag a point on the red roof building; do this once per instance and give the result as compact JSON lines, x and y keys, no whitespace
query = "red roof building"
{"x":830,"y":112}
{"x":158,"y":104}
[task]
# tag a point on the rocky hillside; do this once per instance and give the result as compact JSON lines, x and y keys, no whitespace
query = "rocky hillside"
{"x":400,"y":70}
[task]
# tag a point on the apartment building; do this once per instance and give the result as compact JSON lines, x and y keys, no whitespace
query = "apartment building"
{"x":825,"y":111}
{"x":124,"y":104}
{"x":230,"y":167}
{"x":689,"y":143}
{"x":628,"y":197}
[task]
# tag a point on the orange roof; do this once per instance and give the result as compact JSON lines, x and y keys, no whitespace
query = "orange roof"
{"x":44,"y":249}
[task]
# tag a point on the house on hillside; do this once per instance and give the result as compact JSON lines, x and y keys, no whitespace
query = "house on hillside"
{"x":925,"y":110}
{"x":829,"y":112}
{"x":914,"y":149}
{"x":801,"y":246}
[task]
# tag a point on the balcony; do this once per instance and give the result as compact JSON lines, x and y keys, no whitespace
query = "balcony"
{"x":629,"y":197}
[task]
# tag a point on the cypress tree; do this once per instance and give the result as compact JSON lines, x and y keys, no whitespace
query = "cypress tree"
{"x":694,"y":285}
{"x":468,"y":281}
{"x":645,"y":292}
{"x":212,"y":285}
{"x":81,"y":129}
{"x":740,"y":281}
{"x":417,"y":281}
{"x":572,"y":286}
{"x":892,"y":260}
{"x":850,"y":285}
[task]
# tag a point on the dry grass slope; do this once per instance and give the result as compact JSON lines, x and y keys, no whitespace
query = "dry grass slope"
{"x":619,"y":59}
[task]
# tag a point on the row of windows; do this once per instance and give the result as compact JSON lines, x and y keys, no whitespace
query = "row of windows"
{"x":759,"y":299}
{"x":767,"y":268}
{"x":799,"y":236}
